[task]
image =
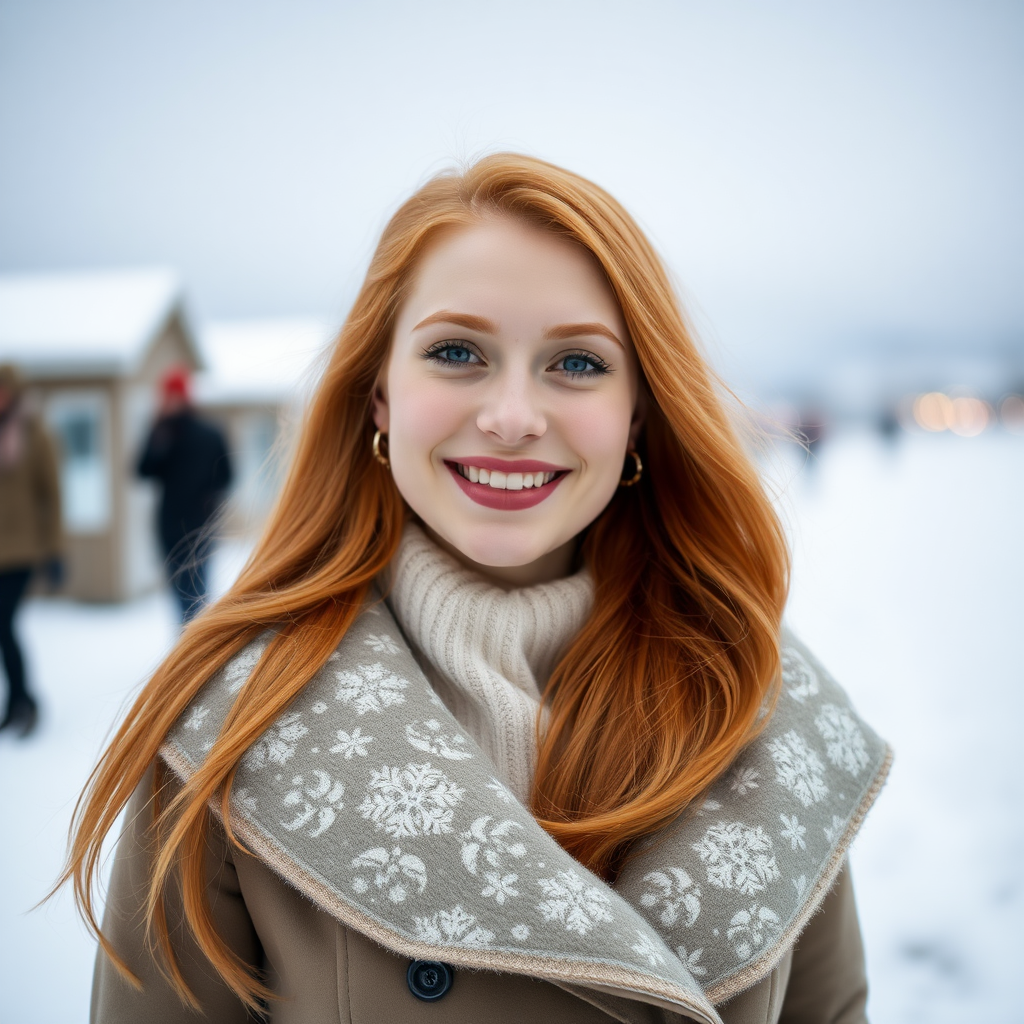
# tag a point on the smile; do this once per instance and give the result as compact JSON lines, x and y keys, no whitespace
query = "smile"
{"x":519,"y":486}
{"x":503,"y":481}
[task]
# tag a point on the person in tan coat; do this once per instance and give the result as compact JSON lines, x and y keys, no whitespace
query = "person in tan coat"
{"x":30,"y":534}
{"x":500,"y":722}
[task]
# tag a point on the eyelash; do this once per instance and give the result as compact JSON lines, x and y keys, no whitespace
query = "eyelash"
{"x":600,"y":367}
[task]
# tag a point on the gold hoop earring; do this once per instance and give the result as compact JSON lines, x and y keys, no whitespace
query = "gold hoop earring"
{"x":639,"y":470}
{"x":381,"y":456}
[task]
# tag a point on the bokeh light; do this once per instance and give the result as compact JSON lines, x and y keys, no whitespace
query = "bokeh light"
{"x":933,"y":411}
{"x":964,"y":415}
{"x":1011,"y":414}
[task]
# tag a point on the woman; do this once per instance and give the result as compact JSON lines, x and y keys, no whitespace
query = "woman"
{"x":492,"y":725}
{"x":30,"y":535}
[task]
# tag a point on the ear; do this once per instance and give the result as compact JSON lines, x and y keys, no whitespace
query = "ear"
{"x":639,"y":416}
{"x":379,"y":406}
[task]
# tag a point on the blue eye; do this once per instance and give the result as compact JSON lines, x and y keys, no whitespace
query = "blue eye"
{"x":575,"y":364}
{"x":449,"y":353}
{"x":579,"y":364}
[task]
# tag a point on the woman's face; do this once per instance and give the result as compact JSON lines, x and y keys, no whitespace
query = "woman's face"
{"x":509,"y":398}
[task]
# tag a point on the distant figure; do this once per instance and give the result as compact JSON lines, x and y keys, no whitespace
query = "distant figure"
{"x":30,"y":534}
{"x":811,"y":431}
{"x":888,"y":424}
{"x":190,"y":460}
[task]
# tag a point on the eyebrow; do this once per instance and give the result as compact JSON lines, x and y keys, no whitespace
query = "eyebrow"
{"x":479,"y":323}
{"x":565,"y":331}
{"x":467,"y":320}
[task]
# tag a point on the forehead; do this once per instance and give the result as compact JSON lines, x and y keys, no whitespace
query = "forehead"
{"x":510,"y":272}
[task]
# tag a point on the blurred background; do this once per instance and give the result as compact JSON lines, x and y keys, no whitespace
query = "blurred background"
{"x":837,"y":188}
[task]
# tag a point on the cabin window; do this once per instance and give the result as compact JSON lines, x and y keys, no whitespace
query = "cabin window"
{"x":78,"y":421}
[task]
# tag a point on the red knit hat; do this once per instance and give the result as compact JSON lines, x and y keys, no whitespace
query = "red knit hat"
{"x":175,"y":383}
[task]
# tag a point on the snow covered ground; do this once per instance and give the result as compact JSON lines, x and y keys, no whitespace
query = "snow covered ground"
{"x":909,"y":568}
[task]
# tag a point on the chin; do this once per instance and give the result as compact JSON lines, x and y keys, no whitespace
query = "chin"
{"x":502,"y":547}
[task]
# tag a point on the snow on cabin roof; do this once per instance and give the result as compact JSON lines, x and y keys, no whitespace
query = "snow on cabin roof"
{"x":94,"y":322}
{"x":260,"y":361}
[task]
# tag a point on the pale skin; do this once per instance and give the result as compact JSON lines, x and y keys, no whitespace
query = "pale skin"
{"x":510,"y":346}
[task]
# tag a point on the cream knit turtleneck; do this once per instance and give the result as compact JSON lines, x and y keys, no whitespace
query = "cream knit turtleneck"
{"x":486,"y":651}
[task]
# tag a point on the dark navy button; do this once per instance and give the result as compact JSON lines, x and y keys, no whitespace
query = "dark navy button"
{"x":429,"y":979}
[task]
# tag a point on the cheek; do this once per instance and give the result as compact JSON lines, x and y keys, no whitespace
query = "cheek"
{"x":599,"y":435}
{"x":423,"y":418}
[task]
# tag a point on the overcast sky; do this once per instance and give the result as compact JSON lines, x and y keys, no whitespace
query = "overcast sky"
{"x":819,"y":176}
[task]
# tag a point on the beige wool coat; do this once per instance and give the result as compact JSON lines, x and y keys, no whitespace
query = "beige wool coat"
{"x":30,"y":511}
{"x":327,"y":973}
{"x":376,"y":836}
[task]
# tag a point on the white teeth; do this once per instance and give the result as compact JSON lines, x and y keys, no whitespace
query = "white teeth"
{"x":504,"y":481}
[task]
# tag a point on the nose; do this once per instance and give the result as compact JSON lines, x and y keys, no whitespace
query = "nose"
{"x":511,"y":412}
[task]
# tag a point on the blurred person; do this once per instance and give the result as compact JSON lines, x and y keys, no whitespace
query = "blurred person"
{"x":190,"y":460}
{"x":30,"y":534}
{"x":811,"y":430}
{"x":500,"y":722}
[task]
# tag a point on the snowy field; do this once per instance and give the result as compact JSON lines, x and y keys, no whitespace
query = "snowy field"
{"x":909,"y":568}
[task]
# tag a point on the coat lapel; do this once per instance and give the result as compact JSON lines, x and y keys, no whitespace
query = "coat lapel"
{"x":369,"y":797}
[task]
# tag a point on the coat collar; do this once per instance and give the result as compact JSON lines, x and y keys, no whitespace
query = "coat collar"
{"x":368,"y":797}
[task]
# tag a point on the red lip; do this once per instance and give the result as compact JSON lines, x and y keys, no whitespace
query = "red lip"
{"x":510,"y":466}
{"x":506,"y":501}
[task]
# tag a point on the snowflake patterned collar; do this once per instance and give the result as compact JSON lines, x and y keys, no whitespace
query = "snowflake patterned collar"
{"x":369,"y":798}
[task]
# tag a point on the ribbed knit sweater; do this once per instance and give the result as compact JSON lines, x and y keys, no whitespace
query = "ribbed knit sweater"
{"x":487,"y":652}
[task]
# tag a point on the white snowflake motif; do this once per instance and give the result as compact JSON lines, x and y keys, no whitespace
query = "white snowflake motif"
{"x":318,"y":708}
{"x":501,"y":791}
{"x":744,"y":780}
{"x":520,"y":932}
{"x":709,"y":806}
{"x":321,"y":798}
{"x":240,"y":667}
{"x":369,"y":688}
{"x":196,"y":717}
{"x":793,"y":831}
{"x":490,"y":843}
{"x":648,"y":949}
{"x":835,"y":830}
{"x":675,"y":892}
{"x":738,"y":856}
{"x":690,"y":961}
{"x":394,"y":872}
{"x":801,"y":680}
{"x":427,"y":736}
{"x":572,"y":901}
{"x":499,"y":887}
{"x":411,"y":801}
{"x":453,"y":926}
{"x":798,"y":768}
{"x":277,"y":745}
{"x":749,"y":929}
{"x":844,"y":742}
{"x":800,"y":884}
{"x":382,"y":644}
{"x":351,"y":744}
{"x":241,"y":797}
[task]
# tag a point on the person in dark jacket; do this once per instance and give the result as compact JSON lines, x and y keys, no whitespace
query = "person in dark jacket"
{"x":190,"y":459}
{"x":30,"y":534}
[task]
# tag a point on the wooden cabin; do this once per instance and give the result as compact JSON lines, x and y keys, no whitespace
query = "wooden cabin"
{"x":93,"y":347}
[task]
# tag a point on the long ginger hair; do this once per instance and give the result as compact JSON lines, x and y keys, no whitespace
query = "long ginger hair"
{"x":655,"y":697}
